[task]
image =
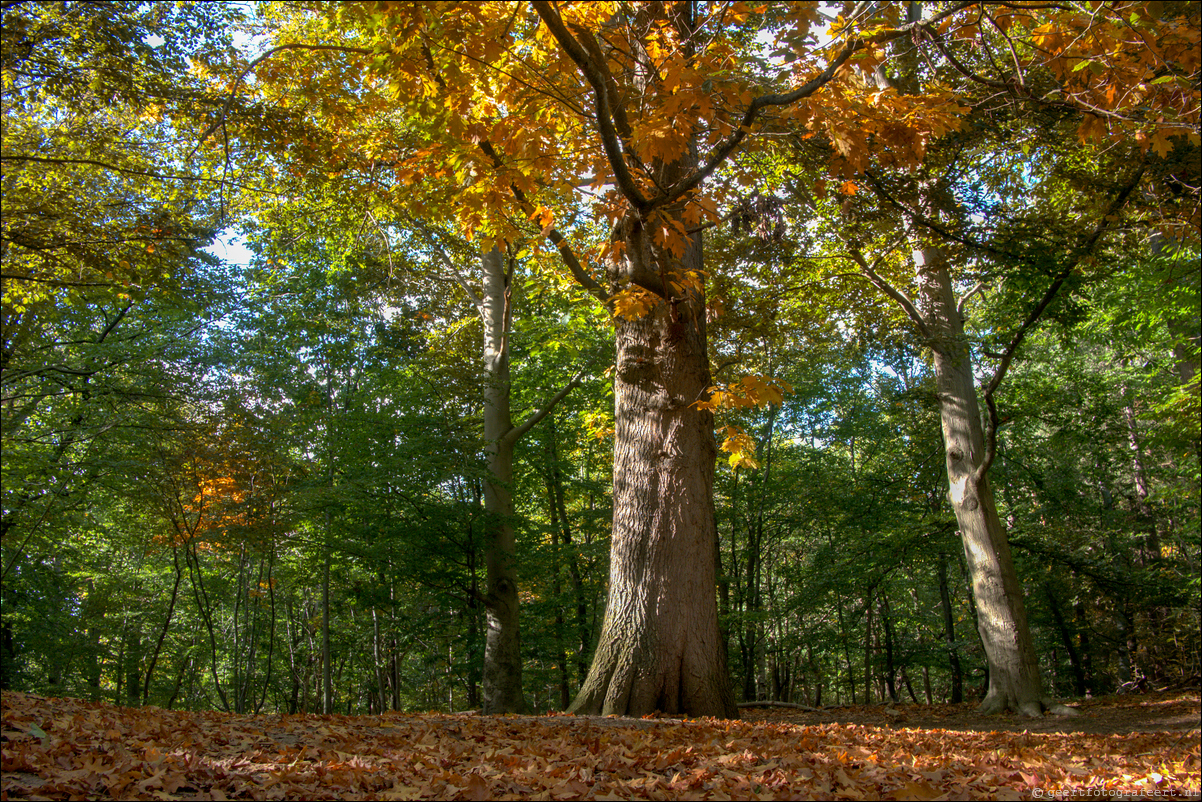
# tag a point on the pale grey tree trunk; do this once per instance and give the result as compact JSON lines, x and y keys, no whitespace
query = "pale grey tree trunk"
{"x":502,"y":678}
{"x":1014,"y":679}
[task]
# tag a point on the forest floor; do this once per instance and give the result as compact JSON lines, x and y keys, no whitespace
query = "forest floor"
{"x":1107,"y":715}
{"x":1124,"y":747}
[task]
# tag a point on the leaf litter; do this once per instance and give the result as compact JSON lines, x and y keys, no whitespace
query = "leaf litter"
{"x":69,"y":749}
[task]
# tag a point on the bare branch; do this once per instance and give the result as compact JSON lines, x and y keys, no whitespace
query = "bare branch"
{"x":515,"y":434}
{"x":884,"y":286}
{"x":1033,"y":317}
{"x":980,"y":287}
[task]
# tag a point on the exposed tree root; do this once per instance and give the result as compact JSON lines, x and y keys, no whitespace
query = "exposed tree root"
{"x":995,"y":704}
{"x":769,"y":703}
{"x":1057,"y":709}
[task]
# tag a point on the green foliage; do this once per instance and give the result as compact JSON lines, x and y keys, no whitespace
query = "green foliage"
{"x":185,"y":443}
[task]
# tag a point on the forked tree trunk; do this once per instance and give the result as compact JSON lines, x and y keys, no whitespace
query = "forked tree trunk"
{"x":502,"y":677}
{"x":660,"y":648}
{"x":1014,"y":680}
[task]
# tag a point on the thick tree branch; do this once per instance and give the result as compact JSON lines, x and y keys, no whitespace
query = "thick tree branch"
{"x":977,"y":288}
{"x":621,"y":122}
{"x":605,"y":115}
{"x":757,"y":106}
{"x":557,"y":239}
{"x":723,"y":151}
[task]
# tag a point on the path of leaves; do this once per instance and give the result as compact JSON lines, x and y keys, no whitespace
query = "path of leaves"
{"x":68,"y":749}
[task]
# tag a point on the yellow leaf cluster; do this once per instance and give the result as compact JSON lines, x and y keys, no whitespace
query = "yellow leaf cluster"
{"x":750,"y":391}
{"x":632,"y":303}
{"x":670,"y":234}
{"x":740,"y":446}
{"x":1126,"y":66}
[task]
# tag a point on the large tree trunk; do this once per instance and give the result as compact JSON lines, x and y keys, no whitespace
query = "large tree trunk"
{"x":660,"y":647}
{"x":1014,"y":680}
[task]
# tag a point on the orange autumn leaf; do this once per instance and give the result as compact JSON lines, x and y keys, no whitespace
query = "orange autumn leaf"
{"x":68,"y":748}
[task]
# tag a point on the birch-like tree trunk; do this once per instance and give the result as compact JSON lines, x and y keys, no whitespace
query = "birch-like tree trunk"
{"x":1014,"y":680}
{"x":502,"y":678}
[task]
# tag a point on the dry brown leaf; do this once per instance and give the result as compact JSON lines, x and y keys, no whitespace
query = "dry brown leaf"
{"x":179,"y":755}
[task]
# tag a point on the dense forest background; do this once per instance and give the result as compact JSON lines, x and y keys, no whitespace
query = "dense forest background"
{"x":261,"y":487}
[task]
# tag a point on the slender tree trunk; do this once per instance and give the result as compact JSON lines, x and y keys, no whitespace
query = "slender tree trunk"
{"x":1067,"y":638}
{"x":905,"y":678}
{"x":502,"y":677}
{"x":381,"y":691}
{"x":1014,"y":680}
{"x":1128,"y":671}
{"x":816,"y":670}
{"x":158,"y":645}
{"x":92,"y":663}
{"x":473,"y":636}
{"x":949,"y":634}
{"x":851,"y":674}
{"x":293,"y":668}
{"x":1082,"y":626}
{"x":868,"y":608}
{"x":327,"y":682}
{"x":890,"y":668}
{"x":270,"y":630}
{"x":236,"y":635}
{"x":192,"y":560}
{"x":133,"y":664}
{"x":583,"y":634}
{"x":561,"y":654}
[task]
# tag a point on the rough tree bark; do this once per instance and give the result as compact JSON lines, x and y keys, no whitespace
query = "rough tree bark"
{"x":660,"y":647}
